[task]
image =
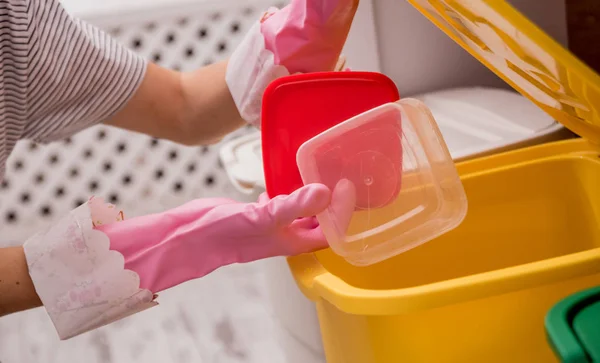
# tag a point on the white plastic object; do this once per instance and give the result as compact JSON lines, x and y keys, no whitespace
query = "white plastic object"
{"x":479,"y":121}
{"x":394,"y":182}
{"x":242,"y":160}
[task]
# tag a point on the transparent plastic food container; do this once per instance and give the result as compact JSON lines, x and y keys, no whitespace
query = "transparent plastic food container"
{"x":394,"y":183}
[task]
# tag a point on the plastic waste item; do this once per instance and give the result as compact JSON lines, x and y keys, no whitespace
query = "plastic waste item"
{"x":299,"y":107}
{"x":242,"y":160}
{"x":479,"y":121}
{"x":394,"y":182}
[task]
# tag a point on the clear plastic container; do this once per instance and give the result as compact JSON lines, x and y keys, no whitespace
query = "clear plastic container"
{"x":394,"y":183}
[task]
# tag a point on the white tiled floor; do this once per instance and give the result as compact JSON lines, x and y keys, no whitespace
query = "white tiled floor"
{"x":223,"y":318}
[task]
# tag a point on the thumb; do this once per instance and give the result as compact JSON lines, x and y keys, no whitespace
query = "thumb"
{"x":304,"y":202}
{"x":343,"y":201}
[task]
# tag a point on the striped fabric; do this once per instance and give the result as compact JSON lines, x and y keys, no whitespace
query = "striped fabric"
{"x":58,"y":75}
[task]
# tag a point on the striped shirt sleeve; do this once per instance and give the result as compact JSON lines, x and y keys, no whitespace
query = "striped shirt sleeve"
{"x":58,"y":74}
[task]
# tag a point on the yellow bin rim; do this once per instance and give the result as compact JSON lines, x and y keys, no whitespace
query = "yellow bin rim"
{"x":540,"y":69}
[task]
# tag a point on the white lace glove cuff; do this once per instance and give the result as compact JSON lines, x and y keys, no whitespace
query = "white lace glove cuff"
{"x":81,"y":282}
{"x":251,"y":68}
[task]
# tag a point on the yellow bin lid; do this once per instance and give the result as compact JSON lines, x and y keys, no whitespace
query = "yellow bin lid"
{"x":524,"y":56}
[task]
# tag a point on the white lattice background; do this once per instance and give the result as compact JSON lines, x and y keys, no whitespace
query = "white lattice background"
{"x":139,"y":173}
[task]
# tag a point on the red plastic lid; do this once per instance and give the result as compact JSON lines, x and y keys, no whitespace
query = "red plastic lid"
{"x":296,"y":108}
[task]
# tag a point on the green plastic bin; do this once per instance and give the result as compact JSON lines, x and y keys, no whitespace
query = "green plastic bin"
{"x":573,"y":327}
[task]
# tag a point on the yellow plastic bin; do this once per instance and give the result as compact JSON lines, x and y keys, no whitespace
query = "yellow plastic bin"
{"x":531,"y":236}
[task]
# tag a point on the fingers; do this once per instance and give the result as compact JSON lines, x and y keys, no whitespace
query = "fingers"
{"x":308,"y":35}
{"x":263,"y":198}
{"x":309,"y":237}
{"x":305,"y":237}
{"x":307,"y":240}
{"x":306,"y":223}
{"x":343,"y":202}
{"x":307,"y":201}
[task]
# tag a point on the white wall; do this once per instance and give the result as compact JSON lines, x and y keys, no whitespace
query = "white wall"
{"x":93,"y":7}
{"x":361,"y":48}
{"x":419,"y":57}
{"x":409,"y":49}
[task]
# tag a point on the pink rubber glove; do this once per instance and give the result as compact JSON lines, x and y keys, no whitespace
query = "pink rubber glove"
{"x":305,"y":36}
{"x":308,"y":35}
{"x":190,"y":241}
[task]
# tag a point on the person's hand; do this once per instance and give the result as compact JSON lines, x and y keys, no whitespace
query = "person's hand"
{"x":190,"y":241}
{"x":305,"y":36}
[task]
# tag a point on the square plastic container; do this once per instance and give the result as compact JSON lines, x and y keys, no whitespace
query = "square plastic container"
{"x":394,"y":183}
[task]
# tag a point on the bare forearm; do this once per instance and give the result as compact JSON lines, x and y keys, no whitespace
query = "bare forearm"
{"x":188,"y":108}
{"x":17,"y":292}
{"x":213,"y":111}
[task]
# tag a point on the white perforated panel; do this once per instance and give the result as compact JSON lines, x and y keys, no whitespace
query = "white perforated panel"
{"x":141,"y":174}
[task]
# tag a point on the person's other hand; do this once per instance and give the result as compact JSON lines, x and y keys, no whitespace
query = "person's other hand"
{"x":305,"y":36}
